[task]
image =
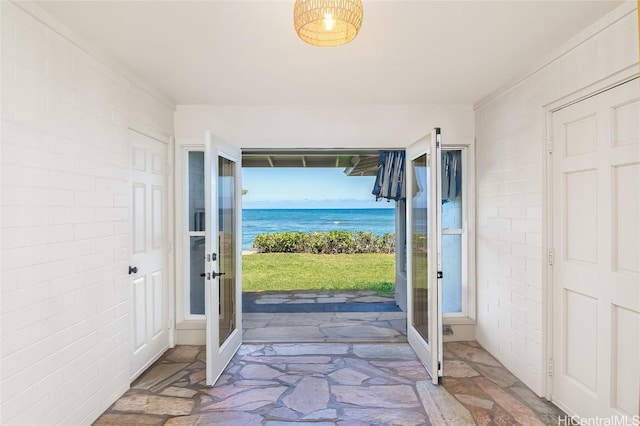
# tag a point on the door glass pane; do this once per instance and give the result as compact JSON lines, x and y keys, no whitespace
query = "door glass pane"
{"x":452,"y":213}
{"x":419,"y":249}
{"x":452,"y":189}
{"x":226,"y":243}
{"x":453,"y":224}
{"x":196,"y":191}
{"x":452,"y":271}
{"x":196,"y":267}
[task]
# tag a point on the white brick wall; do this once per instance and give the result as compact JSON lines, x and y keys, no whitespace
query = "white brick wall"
{"x":510,"y":129}
{"x":65,"y":220}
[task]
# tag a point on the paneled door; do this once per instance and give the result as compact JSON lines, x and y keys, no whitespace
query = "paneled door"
{"x":223,"y":244}
{"x":424,"y":252}
{"x":596,"y":239}
{"x":148,"y":267}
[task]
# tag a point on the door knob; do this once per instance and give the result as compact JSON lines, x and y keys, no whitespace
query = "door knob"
{"x":216,"y":274}
{"x":133,"y":270}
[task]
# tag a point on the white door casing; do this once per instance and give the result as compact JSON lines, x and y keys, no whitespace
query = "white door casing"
{"x":149,"y":282}
{"x":596,"y":262}
{"x":423,"y":196}
{"x":220,"y":347}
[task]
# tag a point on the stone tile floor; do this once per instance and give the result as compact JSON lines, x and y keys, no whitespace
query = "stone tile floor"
{"x":325,"y":326}
{"x":303,"y":297}
{"x":329,"y":384}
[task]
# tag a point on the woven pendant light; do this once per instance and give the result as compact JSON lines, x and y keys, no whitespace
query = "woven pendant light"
{"x":327,"y":23}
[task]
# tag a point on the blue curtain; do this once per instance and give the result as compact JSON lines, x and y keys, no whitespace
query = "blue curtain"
{"x":390,"y":176}
{"x":451,"y":175}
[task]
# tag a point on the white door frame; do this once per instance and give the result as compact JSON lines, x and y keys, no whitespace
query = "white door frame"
{"x":548,"y":209}
{"x":430,"y":353}
{"x":218,"y":356}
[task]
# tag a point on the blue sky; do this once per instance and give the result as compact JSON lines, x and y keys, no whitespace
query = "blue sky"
{"x":307,"y":188}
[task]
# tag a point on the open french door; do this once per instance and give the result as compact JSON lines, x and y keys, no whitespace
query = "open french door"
{"x":424,"y":252}
{"x":223,"y":244}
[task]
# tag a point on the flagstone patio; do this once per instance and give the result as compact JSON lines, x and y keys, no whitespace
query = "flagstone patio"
{"x":325,"y":327}
{"x":329,"y":384}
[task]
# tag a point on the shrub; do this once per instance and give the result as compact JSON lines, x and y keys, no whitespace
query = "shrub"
{"x":332,"y":242}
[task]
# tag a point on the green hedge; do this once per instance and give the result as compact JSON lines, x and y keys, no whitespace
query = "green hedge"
{"x":332,"y":242}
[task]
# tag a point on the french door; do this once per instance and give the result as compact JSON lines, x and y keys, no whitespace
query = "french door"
{"x":424,"y":252}
{"x":223,"y":287}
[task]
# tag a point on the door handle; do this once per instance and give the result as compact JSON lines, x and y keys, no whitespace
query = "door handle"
{"x":211,"y":276}
{"x":133,"y":270}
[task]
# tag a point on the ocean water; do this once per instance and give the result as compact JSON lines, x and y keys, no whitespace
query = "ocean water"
{"x":258,"y":221}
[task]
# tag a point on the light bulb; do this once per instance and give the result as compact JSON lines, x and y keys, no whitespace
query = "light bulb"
{"x":329,"y":22}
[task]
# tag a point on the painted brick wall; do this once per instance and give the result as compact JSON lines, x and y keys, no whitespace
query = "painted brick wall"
{"x":510,"y":138}
{"x":65,"y":222}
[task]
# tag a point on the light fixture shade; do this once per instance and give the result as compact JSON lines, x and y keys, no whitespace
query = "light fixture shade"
{"x":327,"y":22}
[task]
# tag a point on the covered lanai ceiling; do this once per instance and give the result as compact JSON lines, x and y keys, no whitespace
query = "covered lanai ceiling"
{"x":354,"y":162}
{"x":247,"y":53}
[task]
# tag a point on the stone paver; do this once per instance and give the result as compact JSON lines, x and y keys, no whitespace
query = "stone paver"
{"x":396,"y":351}
{"x":348,"y":376}
{"x":384,"y":416}
{"x":157,"y":374}
{"x":217,"y":419}
{"x":285,"y":297}
{"x":441,"y":406}
{"x":283,"y":332}
{"x":312,"y":349}
{"x":362,"y":331}
{"x":329,"y":384}
{"x":390,"y":396}
{"x":470,"y":353}
{"x":127,"y":419}
{"x":249,"y":400}
{"x":152,"y":404}
{"x":310,"y":394}
{"x":459,"y":369}
{"x":178,"y":391}
{"x":260,"y":372}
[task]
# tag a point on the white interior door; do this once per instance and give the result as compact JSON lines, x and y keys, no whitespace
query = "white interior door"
{"x":424,"y":248}
{"x":223,"y":285}
{"x":148,"y":270}
{"x":596,"y":238}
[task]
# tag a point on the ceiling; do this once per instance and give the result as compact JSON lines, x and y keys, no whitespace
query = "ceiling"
{"x":354,"y":162}
{"x":247,"y":53}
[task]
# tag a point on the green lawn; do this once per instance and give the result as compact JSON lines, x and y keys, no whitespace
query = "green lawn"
{"x":301,"y":271}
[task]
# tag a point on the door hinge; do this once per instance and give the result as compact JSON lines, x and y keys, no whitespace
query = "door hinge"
{"x":550,"y":256}
{"x":169,"y":323}
{"x":167,"y":167}
{"x":550,"y":146}
{"x":550,"y":368}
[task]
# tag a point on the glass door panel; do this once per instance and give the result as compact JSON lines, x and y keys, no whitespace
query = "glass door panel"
{"x":226,"y":246}
{"x":424,"y":263}
{"x":420,"y":246}
{"x":222,"y":256}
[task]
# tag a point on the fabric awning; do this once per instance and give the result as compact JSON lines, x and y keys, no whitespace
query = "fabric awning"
{"x":390,"y":182}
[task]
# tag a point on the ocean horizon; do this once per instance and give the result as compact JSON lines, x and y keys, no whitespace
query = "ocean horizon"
{"x":257,"y":221}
